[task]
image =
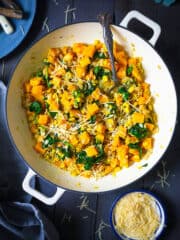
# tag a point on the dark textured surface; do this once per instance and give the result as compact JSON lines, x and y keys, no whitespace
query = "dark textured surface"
{"x":72,"y":219}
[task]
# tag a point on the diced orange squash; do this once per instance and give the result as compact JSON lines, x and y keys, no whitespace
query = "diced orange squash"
{"x":80,"y":71}
{"x":122,"y":131}
{"x":116,"y":141}
{"x":84,"y":61}
{"x":105,"y":63}
{"x":118,"y":99}
{"x":133,"y":151}
{"x":100,"y":137}
{"x":53,"y":105}
{"x":89,"y":51}
{"x":56,"y":81}
{"x":68,"y":57}
{"x":98,"y":45}
{"x":78,"y":48}
{"x":149,"y":126}
{"x":52,"y":54}
{"x":73,"y":140}
{"x":84,"y":138}
{"x":38,"y":147}
{"x":96,"y":94}
{"x":71,"y":87}
{"x":74,"y":113}
{"x":37,"y":92}
{"x":103,"y":98}
{"x":60,"y":72}
{"x":121,"y":57}
{"x":141,"y":100}
{"x":107,"y":170}
{"x":91,"y":151}
{"x":43,"y":119}
{"x":110,"y":124}
{"x":121,"y":73}
{"x":35,"y":81}
{"x":147,"y":143}
{"x":122,"y":155}
{"x":65,"y":50}
{"x":92,"y":109}
{"x":137,"y":117}
{"x":135,"y":158}
{"x":137,"y":71}
{"x":100,"y":128}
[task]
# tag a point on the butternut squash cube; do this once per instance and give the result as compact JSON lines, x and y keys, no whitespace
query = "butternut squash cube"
{"x":35,"y":81}
{"x":91,"y":151}
{"x":38,"y":148}
{"x":43,"y":119}
{"x":92,"y":109}
{"x":147,"y":143}
{"x":84,"y":138}
{"x":37,"y":92}
{"x":137,"y":118}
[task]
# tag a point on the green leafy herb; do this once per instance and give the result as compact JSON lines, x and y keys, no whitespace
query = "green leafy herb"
{"x":100,"y":72}
{"x":84,"y":159}
{"x":49,"y":140}
{"x":138,"y":130}
{"x":90,"y":161}
{"x":46,"y":78}
{"x":92,"y":119}
{"x":123,"y":91}
{"x":45,"y":61}
{"x":136,"y":146}
{"x":101,"y":152}
{"x":39,"y":73}
{"x":111,"y":107}
{"x":53,"y":114}
{"x":78,"y":98}
{"x":145,"y":165}
{"x":88,"y":88}
{"x":129,"y":70}
{"x":35,"y":107}
{"x":65,"y":151}
{"x":47,"y":105}
{"x":99,"y":55}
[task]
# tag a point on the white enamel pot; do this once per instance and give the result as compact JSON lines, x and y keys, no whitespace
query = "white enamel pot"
{"x":157,"y":75}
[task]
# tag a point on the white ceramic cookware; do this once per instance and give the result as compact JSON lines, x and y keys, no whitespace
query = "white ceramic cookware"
{"x":157,"y":75}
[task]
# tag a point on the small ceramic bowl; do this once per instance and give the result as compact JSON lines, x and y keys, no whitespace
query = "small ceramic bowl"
{"x":159,"y":208}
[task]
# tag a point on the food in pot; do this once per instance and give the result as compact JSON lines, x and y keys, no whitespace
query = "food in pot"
{"x":80,"y":121}
{"x":136,"y":216}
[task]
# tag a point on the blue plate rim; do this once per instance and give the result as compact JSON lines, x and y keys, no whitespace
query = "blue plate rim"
{"x":24,"y":36}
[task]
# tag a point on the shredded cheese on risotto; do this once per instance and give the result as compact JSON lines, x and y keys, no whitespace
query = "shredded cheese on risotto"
{"x":80,"y":121}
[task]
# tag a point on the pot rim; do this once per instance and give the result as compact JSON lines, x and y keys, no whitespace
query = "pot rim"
{"x":13,"y":141}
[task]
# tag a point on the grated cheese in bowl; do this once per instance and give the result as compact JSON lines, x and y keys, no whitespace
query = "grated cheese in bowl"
{"x":137,"y":216}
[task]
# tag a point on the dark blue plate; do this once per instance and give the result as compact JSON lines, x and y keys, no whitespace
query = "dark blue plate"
{"x":21,"y":27}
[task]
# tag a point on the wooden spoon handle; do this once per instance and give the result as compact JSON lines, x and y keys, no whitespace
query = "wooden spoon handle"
{"x":12,"y":13}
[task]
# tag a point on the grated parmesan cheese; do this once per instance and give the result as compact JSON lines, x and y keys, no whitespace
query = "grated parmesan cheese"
{"x":136,"y":216}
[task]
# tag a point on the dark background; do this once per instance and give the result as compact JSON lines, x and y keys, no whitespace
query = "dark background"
{"x":91,"y":221}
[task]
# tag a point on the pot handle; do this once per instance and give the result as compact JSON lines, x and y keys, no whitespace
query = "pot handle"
{"x":38,"y":195}
{"x":147,"y":21}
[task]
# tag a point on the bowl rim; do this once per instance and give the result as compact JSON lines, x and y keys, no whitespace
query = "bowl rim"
{"x":163,"y":215}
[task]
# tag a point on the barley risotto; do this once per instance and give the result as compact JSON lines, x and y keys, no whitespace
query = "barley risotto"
{"x":80,"y":121}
